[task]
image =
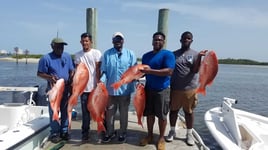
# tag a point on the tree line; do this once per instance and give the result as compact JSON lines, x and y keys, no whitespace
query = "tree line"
{"x":220,"y":61}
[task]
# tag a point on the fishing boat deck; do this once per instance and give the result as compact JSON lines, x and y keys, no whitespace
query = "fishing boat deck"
{"x":134,"y":135}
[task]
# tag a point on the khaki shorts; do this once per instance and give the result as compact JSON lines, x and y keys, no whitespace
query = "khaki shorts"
{"x":185,"y":99}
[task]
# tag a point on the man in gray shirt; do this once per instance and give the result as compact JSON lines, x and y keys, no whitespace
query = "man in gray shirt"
{"x":184,"y":82}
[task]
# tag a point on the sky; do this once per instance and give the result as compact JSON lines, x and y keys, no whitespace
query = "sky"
{"x":232,"y":28}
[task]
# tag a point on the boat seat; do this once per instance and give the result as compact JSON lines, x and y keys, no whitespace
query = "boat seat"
{"x":3,"y":129}
{"x":230,"y":121}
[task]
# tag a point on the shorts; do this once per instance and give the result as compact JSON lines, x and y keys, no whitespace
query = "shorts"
{"x":157,"y":103}
{"x":185,"y":99}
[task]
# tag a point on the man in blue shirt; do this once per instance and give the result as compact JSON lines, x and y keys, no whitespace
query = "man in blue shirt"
{"x":162,"y":63}
{"x":53,"y":66}
{"x":115,"y":62}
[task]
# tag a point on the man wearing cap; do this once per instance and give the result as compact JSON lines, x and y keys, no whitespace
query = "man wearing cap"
{"x":51,"y":67}
{"x":115,"y":62}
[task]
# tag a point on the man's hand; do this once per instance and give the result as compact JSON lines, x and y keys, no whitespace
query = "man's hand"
{"x":53,"y":79}
{"x":202,"y":53}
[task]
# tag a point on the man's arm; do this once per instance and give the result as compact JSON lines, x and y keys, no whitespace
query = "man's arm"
{"x":98,"y":72}
{"x":47,"y":77}
{"x":158,"y":72}
{"x":198,"y":61}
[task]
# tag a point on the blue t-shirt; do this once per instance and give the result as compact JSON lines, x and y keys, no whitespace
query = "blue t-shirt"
{"x":162,"y":59}
{"x":57,"y":66}
{"x":113,"y":65}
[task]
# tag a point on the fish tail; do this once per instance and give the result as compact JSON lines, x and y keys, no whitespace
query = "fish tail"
{"x":201,"y":91}
{"x":56,"y":116}
{"x":69,"y":119}
{"x":140,"y":123}
{"x":116,"y":85}
{"x":101,"y":126}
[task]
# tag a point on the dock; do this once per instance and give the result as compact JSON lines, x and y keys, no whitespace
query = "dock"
{"x":134,"y":134}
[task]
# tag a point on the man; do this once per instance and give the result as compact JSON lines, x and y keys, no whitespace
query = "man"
{"x":115,"y":62}
{"x":183,"y":86}
{"x":91,"y":57}
{"x":53,"y":66}
{"x":161,"y":64}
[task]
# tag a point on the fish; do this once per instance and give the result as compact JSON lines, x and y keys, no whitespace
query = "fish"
{"x":139,"y":102}
{"x":132,"y":73}
{"x":55,"y":97}
{"x":208,"y":71}
{"x":80,"y":80}
{"x":97,"y":103}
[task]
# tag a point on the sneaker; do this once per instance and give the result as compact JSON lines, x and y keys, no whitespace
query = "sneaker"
{"x":171,"y":136}
{"x":65,"y":136}
{"x":108,"y":138}
{"x":146,"y":141}
{"x":122,"y":138}
{"x":190,"y":139}
{"x":55,"y":138}
{"x":85,"y":137}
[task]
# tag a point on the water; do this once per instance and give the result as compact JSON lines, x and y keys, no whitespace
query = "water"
{"x":247,"y":84}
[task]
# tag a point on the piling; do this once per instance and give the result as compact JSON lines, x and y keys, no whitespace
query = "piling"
{"x":163,"y":22}
{"x":16,"y":49}
{"x":91,"y":24}
{"x":26,"y":52}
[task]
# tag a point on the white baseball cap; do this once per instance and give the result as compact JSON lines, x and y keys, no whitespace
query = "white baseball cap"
{"x":118,"y":34}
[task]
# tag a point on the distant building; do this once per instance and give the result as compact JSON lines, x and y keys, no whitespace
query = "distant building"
{"x":3,"y":52}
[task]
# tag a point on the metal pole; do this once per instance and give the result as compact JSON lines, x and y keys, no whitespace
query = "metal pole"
{"x":92,"y":25}
{"x":163,"y":22}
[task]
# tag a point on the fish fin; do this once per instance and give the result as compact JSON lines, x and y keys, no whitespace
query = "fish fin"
{"x":116,"y":85}
{"x":210,"y":83}
{"x":201,"y":91}
{"x":73,"y":99}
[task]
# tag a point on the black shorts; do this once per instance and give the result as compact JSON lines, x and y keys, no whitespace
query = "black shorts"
{"x":157,"y":103}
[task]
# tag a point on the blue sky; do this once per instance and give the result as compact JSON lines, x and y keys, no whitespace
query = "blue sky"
{"x":233,"y":28}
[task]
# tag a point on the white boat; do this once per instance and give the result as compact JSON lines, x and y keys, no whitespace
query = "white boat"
{"x":23,"y":126}
{"x":235,"y":129}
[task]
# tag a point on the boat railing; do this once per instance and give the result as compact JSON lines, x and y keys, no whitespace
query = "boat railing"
{"x":28,"y":89}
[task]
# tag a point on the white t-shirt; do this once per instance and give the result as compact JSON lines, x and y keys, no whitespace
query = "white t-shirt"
{"x":90,"y":58}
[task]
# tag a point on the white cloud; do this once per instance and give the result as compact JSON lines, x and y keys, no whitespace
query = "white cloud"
{"x":250,"y":15}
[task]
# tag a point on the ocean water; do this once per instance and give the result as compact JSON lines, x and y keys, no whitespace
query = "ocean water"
{"x":248,"y":84}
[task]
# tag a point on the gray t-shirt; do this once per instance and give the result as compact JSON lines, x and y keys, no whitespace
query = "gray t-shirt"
{"x":183,"y":78}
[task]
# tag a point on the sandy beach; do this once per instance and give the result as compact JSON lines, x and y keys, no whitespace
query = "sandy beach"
{"x":22,"y":60}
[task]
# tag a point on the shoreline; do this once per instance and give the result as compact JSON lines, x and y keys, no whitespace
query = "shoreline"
{"x":22,"y":60}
